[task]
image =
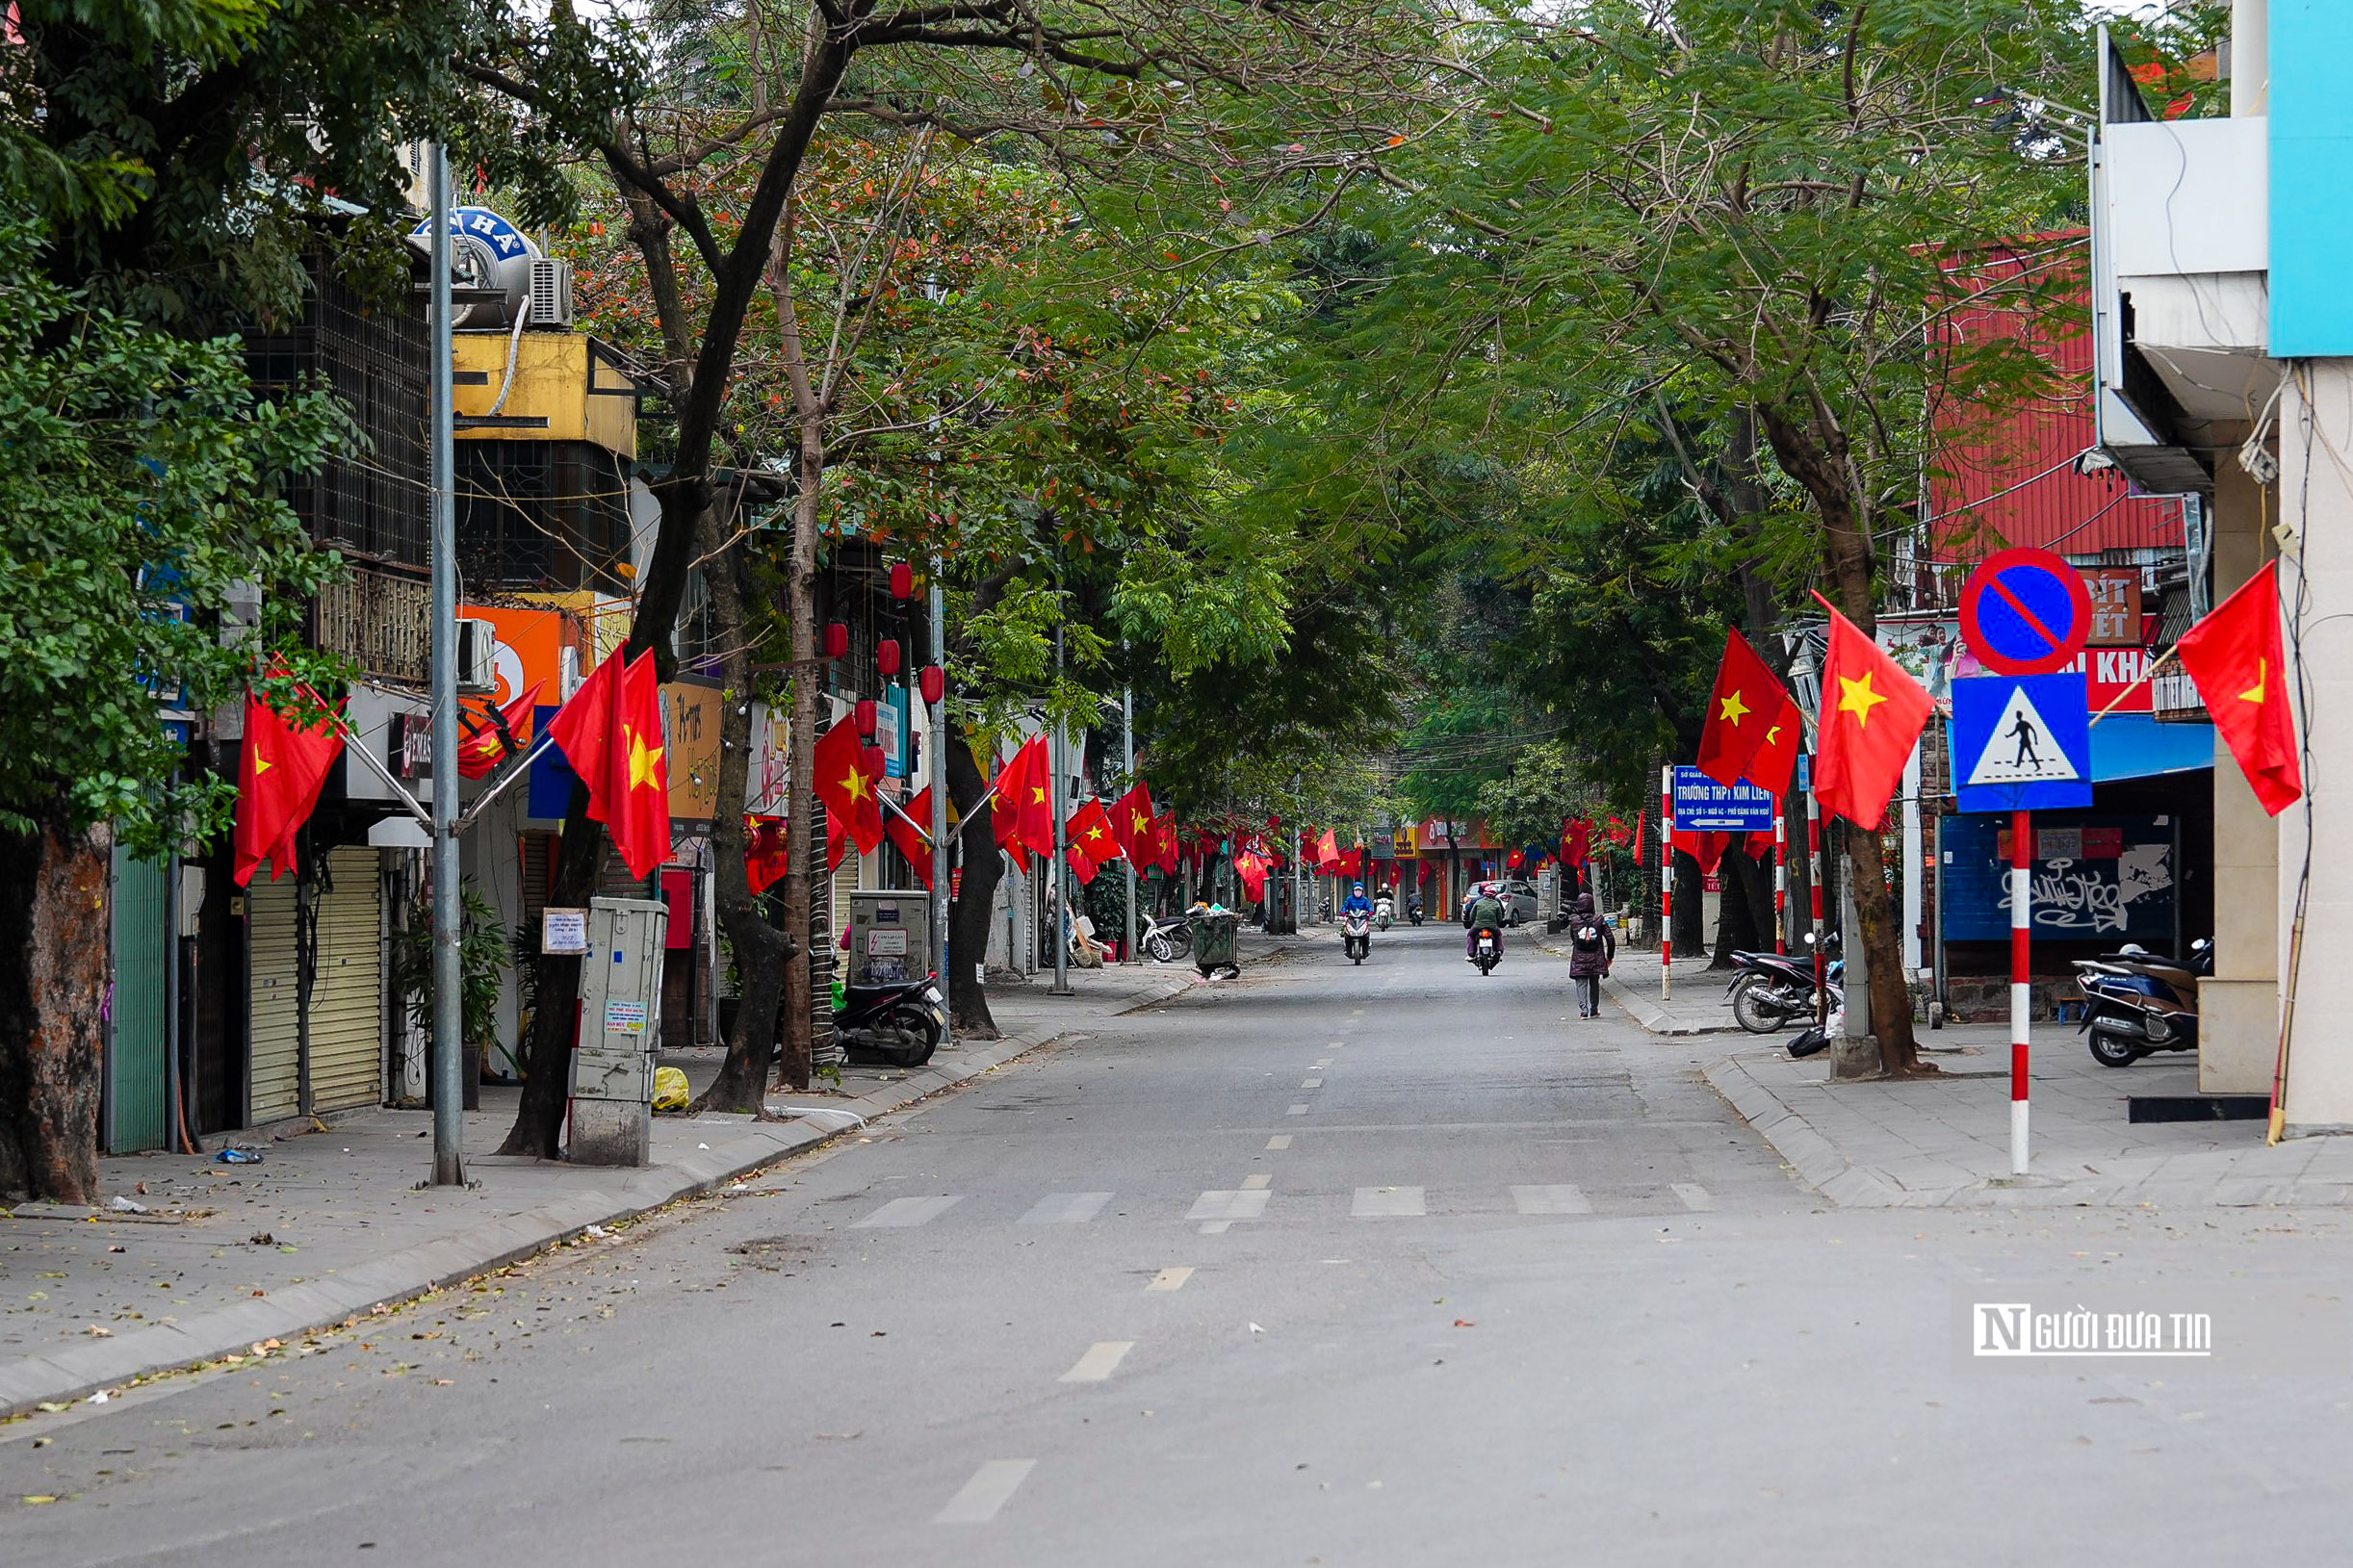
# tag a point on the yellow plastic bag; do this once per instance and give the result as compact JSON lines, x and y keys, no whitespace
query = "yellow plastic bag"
{"x":670,"y":1089}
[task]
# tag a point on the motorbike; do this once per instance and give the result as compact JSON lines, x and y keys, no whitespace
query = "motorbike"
{"x":1413,"y":911}
{"x":897,"y":1026}
{"x":1769,"y":990}
{"x":1383,"y":912}
{"x":1487,"y":949}
{"x":2138,"y":1004}
{"x":1167,"y":938}
{"x":1357,"y":936}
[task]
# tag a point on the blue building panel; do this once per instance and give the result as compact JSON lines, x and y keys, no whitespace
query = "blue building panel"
{"x":2311,"y":178}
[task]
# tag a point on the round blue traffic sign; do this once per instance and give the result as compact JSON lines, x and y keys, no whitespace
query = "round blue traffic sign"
{"x":2026,"y":612}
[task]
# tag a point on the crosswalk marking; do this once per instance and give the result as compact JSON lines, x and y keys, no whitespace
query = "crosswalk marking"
{"x":1100,"y":1362}
{"x":1696,"y":1197}
{"x":1252,"y":1184}
{"x":1555,"y":1199}
{"x":1281,"y":1140}
{"x":907,"y":1211}
{"x":1312,"y":1083}
{"x":1388,"y":1202}
{"x":1066,"y":1209}
{"x":1299,"y":1110}
{"x":1230,"y":1204}
{"x":1171,"y":1280}
{"x":988,"y":1491}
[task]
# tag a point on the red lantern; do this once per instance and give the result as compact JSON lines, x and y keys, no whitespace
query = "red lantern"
{"x":902,"y":580}
{"x":866,"y":717}
{"x":886,"y":655}
{"x":934,"y":684}
{"x":836,"y":640}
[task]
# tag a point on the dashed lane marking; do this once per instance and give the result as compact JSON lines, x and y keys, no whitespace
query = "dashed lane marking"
{"x":1696,"y":1197}
{"x":1230,"y":1204}
{"x":1312,"y":1083}
{"x":1100,"y":1362}
{"x":992,"y":1485}
{"x":1387,"y":1203}
{"x":1299,"y":1110}
{"x":1257,"y":1183}
{"x":907,"y":1211}
{"x":1281,"y":1140}
{"x":1558,"y":1199}
{"x":1171,"y":1280}
{"x":1066,"y":1209}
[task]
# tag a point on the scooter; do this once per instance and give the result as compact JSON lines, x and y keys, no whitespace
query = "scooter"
{"x":1487,"y":949}
{"x":1357,"y":936}
{"x":1413,"y":911}
{"x":1383,"y":912}
{"x":1167,"y":939}
{"x":1769,"y":990}
{"x":897,"y":1026}
{"x":2138,"y":1004}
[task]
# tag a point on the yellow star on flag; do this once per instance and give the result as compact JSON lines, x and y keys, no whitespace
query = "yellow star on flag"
{"x":262,"y":765}
{"x":1733,"y":709}
{"x":1772,"y":736}
{"x":1096,"y":832}
{"x":855,"y":782}
{"x":1856,"y":697}
{"x":2262,"y":679}
{"x":642,"y":759}
{"x":1036,"y":794}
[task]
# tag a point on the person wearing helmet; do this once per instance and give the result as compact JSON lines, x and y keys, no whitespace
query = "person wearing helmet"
{"x":1356,"y":902}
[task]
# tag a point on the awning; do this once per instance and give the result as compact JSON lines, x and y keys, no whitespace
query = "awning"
{"x":2136,"y":746}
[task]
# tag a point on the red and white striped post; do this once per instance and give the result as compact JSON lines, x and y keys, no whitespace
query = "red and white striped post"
{"x":1667,"y":882}
{"x":1813,"y":864}
{"x":2022,"y":984}
{"x":1781,"y":876}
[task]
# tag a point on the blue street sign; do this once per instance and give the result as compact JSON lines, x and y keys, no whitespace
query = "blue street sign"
{"x":2021,"y":742}
{"x":1705,"y":806}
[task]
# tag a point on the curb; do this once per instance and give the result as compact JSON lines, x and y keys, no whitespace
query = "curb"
{"x":1655,"y":1019}
{"x":1813,"y":1157}
{"x":317,"y":1305}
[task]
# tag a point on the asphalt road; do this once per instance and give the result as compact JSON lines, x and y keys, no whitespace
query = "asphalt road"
{"x":1378,"y":1265}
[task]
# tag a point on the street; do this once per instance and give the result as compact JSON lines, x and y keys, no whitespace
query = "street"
{"x":1337,"y":1265}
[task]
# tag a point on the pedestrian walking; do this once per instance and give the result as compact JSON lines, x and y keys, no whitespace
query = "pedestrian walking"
{"x":1591,"y":949}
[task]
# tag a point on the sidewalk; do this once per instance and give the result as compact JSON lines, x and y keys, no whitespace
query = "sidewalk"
{"x":1945,"y":1142}
{"x":1699,"y":1007}
{"x":334,"y":1224}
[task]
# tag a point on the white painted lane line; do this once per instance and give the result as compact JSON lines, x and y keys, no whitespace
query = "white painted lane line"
{"x":1312,"y":1083}
{"x":1171,"y":1280}
{"x":1281,"y":1140}
{"x":1296,"y":1111}
{"x":907,"y":1211}
{"x":1696,"y":1197}
{"x":1561,"y":1199}
{"x":991,"y":1485}
{"x":1387,"y":1203}
{"x":1216,"y":1227}
{"x":1256,"y":1183}
{"x":1065,"y":1209}
{"x":1230,"y":1204}
{"x":1098,"y":1363}
{"x":1320,"y":1066}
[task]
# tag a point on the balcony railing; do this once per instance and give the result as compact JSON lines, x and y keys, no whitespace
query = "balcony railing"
{"x":380,"y":622}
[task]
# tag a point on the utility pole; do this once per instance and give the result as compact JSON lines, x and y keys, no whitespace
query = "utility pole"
{"x":1127,"y":769}
{"x":1064,"y":922}
{"x":939,"y":743}
{"x":449,"y":1019}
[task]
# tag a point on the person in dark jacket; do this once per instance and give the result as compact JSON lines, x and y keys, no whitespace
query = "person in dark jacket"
{"x":1591,"y":949}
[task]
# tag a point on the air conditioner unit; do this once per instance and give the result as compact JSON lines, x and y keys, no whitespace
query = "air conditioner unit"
{"x":550,"y":302}
{"x":477,"y":646}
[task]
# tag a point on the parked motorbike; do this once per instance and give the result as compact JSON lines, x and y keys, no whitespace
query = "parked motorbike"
{"x":1383,"y":912}
{"x":1167,"y":938}
{"x":1357,"y":936}
{"x":2137,"y":1003}
{"x":1769,"y":990}
{"x":1487,"y":949}
{"x":896,"y":1025}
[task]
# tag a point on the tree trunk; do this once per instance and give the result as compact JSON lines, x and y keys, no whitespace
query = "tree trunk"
{"x":1691,"y":930}
{"x":547,"y":1058}
{"x":54,"y":989}
{"x":970,"y":913}
{"x":1745,"y":913}
{"x":761,"y":950}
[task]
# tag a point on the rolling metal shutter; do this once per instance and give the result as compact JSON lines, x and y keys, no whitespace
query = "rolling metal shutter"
{"x":348,"y":993}
{"x":135,"y":1098}
{"x":270,"y":914}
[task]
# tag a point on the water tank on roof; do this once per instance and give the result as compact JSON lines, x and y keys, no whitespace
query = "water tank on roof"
{"x":486,"y":252}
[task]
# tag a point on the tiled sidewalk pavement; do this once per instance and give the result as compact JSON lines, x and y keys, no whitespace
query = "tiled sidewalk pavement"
{"x":1945,"y":1142}
{"x":333,"y":1223}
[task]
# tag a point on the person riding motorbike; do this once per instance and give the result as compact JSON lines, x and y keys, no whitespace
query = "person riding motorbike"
{"x":1356,"y":902}
{"x":1591,"y":949}
{"x":1485,"y":914}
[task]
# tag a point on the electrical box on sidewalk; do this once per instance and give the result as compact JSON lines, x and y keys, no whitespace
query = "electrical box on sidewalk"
{"x":619,"y":1033}
{"x":890,"y":937}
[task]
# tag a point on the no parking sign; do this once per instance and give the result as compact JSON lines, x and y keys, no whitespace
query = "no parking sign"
{"x":2026,"y":612}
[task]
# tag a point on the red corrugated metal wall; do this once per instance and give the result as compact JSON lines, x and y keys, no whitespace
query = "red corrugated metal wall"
{"x":2075,"y":514}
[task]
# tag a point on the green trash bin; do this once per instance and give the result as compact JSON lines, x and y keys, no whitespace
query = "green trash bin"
{"x":1215,"y":941}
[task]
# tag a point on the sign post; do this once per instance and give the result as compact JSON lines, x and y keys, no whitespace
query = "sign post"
{"x":1667,"y":883}
{"x":1780,"y":877}
{"x":2025,"y":738}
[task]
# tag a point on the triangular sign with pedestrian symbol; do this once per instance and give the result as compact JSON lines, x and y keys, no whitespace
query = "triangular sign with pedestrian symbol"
{"x":2021,"y":748}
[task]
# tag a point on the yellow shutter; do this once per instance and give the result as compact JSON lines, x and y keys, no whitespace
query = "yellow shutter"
{"x":348,"y":995}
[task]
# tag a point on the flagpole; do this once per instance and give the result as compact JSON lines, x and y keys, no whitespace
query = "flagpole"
{"x":941,"y":875}
{"x":1066,"y":921}
{"x":448,"y":1017}
{"x":1128,"y":768}
{"x":1667,"y":882}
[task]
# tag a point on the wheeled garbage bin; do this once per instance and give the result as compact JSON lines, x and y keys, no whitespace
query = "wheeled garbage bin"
{"x":1214,"y":942}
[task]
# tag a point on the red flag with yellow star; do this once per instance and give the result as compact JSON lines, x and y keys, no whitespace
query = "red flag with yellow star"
{"x":285,"y":764}
{"x":1776,"y":757}
{"x":912,"y":840}
{"x":1748,"y":695}
{"x":1131,"y":820}
{"x":1871,"y":715}
{"x":1005,"y":808}
{"x":637,"y":778}
{"x":580,"y":729}
{"x":846,"y":776}
{"x":1091,"y":830}
{"x":767,"y":852}
{"x":1033,"y":806}
{"x":2236,"y":659}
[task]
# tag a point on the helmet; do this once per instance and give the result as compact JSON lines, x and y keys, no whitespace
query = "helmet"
{"x":1359,"y":886}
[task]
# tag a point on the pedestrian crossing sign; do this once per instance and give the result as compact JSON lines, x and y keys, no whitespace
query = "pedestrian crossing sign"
{"x":2022,"y":743}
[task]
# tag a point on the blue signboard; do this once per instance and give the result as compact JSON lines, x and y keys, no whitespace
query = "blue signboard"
{"x":2021,"y":742}
{"x":2095,"y":878}
{"x":891,"y":734}
{"x":1705,"y":806}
